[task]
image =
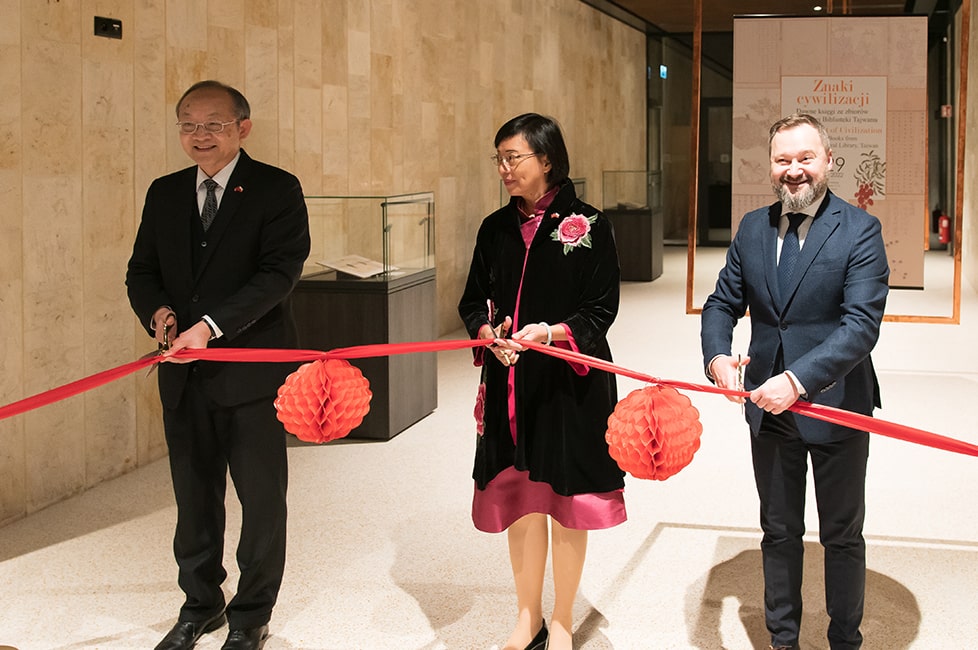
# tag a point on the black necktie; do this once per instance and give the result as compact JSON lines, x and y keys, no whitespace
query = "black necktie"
{"x":789,"y":252}
{"x":210,"y":204}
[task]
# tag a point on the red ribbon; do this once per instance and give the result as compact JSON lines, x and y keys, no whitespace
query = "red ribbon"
{"x":75,"y":387}
{"x":817,"y":411}
{"x":253,"y":355}
{"x":271,"y":355}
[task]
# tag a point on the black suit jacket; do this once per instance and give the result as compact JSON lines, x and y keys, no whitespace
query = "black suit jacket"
{"x":247,"y":265}
{"x":826,"y":325}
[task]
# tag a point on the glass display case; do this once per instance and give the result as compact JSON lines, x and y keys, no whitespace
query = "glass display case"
{"x":372,"y":237}
{"x":580,"y":188}
{"x":370,"y":279}
{"x":632,"y":201}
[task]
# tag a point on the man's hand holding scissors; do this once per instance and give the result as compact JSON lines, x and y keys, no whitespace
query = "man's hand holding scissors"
{"x":728,"y":372}
{"x":170,"y":340}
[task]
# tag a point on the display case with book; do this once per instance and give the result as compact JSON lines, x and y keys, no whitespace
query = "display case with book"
{"x":372,"y":237}
{"x":370,"y":279}
{"x":632,"y":201}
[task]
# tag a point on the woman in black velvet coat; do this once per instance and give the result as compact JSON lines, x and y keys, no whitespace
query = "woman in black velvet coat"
{"x":545,"y":268}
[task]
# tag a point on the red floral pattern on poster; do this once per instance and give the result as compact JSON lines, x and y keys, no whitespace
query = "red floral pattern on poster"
{"x":869,"y":179}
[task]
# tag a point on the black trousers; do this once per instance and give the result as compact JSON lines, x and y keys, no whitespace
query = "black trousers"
{"x":839,"y":470}
{"x":205,"y":442}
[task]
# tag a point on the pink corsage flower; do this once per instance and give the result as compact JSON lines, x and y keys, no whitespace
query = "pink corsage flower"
{"x":574,"y":231}
{"x":480,"y":410}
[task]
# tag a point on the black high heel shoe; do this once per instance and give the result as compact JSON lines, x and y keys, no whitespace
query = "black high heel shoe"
{"x":539,"y":642}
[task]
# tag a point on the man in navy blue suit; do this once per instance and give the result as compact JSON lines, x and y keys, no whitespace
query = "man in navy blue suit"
{"x":219,"y":249}
{"x":812,"y":271}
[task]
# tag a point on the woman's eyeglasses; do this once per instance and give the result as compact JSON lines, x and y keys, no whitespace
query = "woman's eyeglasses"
{"x":509,"y":161}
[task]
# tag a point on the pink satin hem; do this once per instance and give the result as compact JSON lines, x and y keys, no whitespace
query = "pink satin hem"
{"x":512,"y":495}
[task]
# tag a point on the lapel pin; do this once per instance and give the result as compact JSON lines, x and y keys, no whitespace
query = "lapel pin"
{"x":239,"y":189}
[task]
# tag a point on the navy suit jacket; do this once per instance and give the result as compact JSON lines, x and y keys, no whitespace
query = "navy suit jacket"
{"x":826,"y":325}
{"x":247,"y":266}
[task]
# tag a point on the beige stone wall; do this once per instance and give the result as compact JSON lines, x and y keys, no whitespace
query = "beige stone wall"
{"x":354,"y":96}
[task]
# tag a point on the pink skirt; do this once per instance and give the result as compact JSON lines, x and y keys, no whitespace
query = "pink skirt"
{"x":511,"y":495}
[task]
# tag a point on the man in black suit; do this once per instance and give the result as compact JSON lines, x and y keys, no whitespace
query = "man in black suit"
{"x":218,"y":251}
{"x":812,"y":330}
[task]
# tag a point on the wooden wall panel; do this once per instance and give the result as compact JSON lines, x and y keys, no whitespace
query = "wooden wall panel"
{"x":153,"y":128}
{"x":376,"y":97}
{"x":968,"y":139}
{"x":261,"y":88}
{"x":13,"y":494}
{"x":106,"y":217}
{"x":52,"y":233}
{"x":285,"y":76}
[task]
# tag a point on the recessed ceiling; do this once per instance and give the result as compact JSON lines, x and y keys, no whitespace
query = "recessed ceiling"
{"x":676,"y":16}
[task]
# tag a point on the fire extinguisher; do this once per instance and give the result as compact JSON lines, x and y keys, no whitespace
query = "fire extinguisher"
{"x":944,"y":229}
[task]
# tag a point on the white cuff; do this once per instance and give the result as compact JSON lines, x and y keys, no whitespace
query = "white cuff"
{"x":216,"y":332}
{"x":550,"y":333}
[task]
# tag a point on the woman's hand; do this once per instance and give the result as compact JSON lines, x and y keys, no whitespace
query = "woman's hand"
{"x":505,"y":350}
{"x":535,"y":332}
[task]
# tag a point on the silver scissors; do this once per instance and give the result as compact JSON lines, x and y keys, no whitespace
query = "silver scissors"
{"x":165,"y":345}
{"x":740,"y":381}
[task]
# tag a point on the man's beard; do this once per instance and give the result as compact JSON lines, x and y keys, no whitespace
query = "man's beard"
{"x":801,"y":200}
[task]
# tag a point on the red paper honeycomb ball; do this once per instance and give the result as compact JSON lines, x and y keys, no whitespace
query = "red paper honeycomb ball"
{"x":654,"y":432}
{"x":323,"y":400}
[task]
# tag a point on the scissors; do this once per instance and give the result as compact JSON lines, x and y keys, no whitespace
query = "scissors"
{"x":165,"y":345}
{"x":740,"y":380}
{"x":160,"y":349}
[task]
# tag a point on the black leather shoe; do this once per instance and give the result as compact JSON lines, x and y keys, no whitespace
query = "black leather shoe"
{"x":251,"y":639}
{"x":539,"y":642}
{"x":184,"y":634}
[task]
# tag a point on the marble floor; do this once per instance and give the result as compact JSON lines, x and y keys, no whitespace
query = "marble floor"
{"x":383,"y":555}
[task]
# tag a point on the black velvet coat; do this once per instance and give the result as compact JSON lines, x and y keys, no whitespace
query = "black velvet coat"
{"x":561,"y":416}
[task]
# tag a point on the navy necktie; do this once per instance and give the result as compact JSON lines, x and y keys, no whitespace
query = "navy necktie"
{"x":210,"y":204}
{"x":789,"y":252}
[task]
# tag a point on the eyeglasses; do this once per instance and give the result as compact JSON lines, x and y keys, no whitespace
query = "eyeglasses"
{"x":189,"y":128}
{"x":510,"y":161}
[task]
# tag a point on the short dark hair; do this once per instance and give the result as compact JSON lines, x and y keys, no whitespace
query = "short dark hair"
{"x":242,"y":110}
{"x":798,"y":119}
{"x":544,"y":137}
